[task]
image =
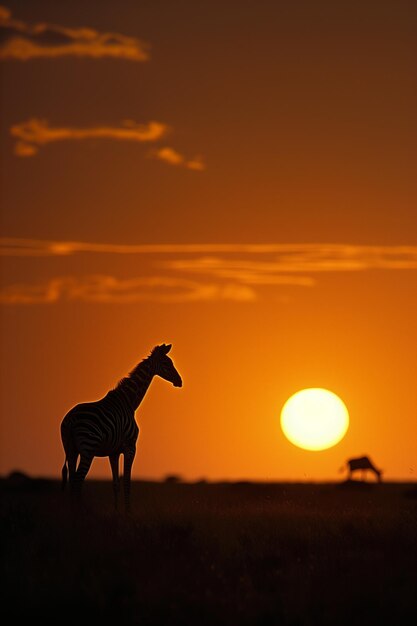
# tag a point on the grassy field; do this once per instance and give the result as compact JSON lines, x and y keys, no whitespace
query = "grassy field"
{"x":238,"y":553}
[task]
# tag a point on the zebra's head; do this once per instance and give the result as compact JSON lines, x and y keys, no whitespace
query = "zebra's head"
{"x":163,"y":365}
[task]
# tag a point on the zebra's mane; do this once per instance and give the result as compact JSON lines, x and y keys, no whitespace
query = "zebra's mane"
{"x":132,"y":374}
{"x":155,"y":353}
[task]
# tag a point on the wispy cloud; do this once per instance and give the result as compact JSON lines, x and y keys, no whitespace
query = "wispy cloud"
{"x":23,"y":41}
{"x":16,"y":246}
{"x":34,"y":133}
{"x":308,"y":257}
{"x":171,"y":156}
{"x":298,"y":264}
{"x":109,"y":289}
{"x":197,"y":272}
{"x":41,"y":40}
{"x":247,"y":272}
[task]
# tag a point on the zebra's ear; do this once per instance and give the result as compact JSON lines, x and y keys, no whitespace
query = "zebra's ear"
{"x":166,"y":348}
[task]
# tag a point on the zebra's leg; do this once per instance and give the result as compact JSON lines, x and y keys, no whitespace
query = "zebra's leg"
{"x":129,"y":456}
{"x":80,"y":474}
{"x":114,"y":462}
{"x":72,"y":466}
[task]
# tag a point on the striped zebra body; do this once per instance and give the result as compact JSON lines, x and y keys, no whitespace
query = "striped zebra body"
{"x":108,"y":427}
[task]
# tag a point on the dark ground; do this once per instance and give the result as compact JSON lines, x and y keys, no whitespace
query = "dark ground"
{"x":238,"y":553}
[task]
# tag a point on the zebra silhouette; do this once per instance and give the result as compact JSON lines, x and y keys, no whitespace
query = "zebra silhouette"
{"x":364,"y":464}
{"x":108,"y":427}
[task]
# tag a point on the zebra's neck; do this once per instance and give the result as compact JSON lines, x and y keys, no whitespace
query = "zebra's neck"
{"x":134,"y":387}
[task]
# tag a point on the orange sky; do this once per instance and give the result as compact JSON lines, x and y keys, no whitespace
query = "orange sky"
{"x":235,"y":178}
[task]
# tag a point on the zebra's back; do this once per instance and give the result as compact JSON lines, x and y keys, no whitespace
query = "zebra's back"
{"x":99,"y":428}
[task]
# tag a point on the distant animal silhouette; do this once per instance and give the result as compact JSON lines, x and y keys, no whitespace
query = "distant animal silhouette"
{"x":364,"y":464}
{"x":107,"y":427}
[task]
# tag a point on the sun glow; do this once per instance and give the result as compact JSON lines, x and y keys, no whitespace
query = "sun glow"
{"x":314,"y":419}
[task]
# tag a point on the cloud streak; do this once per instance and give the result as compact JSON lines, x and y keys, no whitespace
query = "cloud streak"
{"x":171,"y":156}
{"x":247,"y":272}
{"x":196,"y":272}
{"x":109,"y":289}
{"x":41,"y":40}
{"x":21,"y":41}
{"x":34,"y":133}
{"x":312,"y":260}
{"x":311,"y":257}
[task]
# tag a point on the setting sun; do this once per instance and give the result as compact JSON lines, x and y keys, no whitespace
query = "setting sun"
{"x":314,"y":419}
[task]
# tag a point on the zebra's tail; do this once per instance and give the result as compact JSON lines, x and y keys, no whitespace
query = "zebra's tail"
{"x":64,"y":474}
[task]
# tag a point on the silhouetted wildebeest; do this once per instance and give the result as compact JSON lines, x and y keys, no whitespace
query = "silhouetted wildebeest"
{"x":362,"y":463}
